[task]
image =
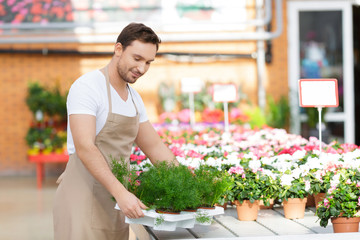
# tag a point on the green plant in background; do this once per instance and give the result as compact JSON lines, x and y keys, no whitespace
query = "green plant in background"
{"x":49,"y":102}
{"x":46,"y":139}
{"x":167,"y":95}
{"x":313,"y":116}
{"x":49,"y":110}
{"x":278,"y":113}
{"x":256,"y":117}
{"x":168,"y":187}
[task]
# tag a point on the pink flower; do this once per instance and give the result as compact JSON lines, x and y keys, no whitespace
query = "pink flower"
{"x":178,"y":152}
{"x":326,"y":203}
{"x":331,"y":189}
{"x":348,"y":181}
{"x":167,"y":117}
{"x":184,"y":115}
{"x":236,"y":170}
{"x":358,"y":201}
{"x":194,"y":154}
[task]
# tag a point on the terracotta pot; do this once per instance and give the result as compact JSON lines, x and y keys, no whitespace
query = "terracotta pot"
{"x":310,"y":200}
{"x":344,"y":224}
{"x":318,"y":198}
{"x":262,"y":206}
{"x":247,"y":211}
{"x":223,"y":206}
{"x":294,"y":208}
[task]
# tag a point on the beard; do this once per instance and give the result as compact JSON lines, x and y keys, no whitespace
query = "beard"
{"x":126,"y":75}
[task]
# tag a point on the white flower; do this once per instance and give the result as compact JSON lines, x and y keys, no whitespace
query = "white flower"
{"x":307,"y":185}
{"x":286,"y":180}
{"x":296,"y":173}
{"x":299,"y":154}
{"x":254,"y":164}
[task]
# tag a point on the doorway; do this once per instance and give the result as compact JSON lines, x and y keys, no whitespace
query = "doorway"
{"x":320,"y":35}
{"x":356,"y":35}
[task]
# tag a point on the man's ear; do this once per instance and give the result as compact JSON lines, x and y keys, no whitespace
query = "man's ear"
{"x":118,"y":48}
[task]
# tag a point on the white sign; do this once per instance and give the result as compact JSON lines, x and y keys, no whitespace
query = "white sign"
{"x":224,"y":92}
{"x":318,"y":93}
{"x":191,"y":85}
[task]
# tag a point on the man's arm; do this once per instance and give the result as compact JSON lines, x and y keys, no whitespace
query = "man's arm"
{"x":151,"y":144}
{"x":83,"y":130}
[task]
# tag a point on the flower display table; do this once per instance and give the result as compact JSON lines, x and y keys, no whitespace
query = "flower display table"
{"x":41,"y":159}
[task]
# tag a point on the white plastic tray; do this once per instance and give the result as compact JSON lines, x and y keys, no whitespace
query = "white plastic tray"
{"x":169,"y":222}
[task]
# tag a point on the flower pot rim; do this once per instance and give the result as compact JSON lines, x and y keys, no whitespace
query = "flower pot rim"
{"x":347,"y":219}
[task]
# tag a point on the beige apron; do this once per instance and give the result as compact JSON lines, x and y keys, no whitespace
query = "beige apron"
{"x":83,"y":208}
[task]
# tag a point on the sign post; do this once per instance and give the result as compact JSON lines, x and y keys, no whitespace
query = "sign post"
{"x":191,"y":86}
{"x":318,"y":93}
{"x":225,"y":93}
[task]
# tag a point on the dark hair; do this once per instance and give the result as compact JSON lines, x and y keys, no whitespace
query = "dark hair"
{"x":137,"y":31}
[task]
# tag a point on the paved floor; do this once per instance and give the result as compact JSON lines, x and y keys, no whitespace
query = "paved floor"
{"x":26,"y":214}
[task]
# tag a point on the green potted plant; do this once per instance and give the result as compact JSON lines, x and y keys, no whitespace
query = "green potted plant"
{"x":294,"y":189}
{"x":246,"y":191}
{"x":212,"y":185}
{"x":168,"y":188}
{"x":342,"y":201}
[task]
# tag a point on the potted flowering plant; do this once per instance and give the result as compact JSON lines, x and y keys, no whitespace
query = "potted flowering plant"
{"x":294,"y":190}
{"x":342,"y":200}
{"x":247,"y":190}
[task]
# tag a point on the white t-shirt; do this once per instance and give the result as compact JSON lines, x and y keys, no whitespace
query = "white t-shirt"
{"x":88,"y":95}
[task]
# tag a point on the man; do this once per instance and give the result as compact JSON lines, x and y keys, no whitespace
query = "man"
{"x":105,"y":117}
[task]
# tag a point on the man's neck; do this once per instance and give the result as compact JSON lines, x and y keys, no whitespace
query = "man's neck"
{"x":116,"y":82}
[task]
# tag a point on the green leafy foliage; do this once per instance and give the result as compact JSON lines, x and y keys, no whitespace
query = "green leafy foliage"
{"x":343,"y":198}
{"x":278,"y":113}
{"x":126,"y":176}
{"x":317,"y":185}
{"x":297,"y":189}
{"x":50,"y":102}
{"x":256,"y":117}
{"x":45,"y":138}
{"x":168,"y":187}
{"x":212,"y":185}
{"x":249,"y":185}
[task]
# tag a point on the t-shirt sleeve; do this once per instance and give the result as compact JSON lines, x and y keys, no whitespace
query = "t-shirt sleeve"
{"x":82,"y":99}
{"x":141,"y":107}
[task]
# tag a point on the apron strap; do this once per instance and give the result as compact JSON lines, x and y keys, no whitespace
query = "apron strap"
{"x":132,"y":99}
{"x":108,"y":88}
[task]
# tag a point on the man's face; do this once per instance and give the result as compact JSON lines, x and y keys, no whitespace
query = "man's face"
{"x":135,"y":60}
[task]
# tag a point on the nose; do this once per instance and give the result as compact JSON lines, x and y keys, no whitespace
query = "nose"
{"x":142,"y":67}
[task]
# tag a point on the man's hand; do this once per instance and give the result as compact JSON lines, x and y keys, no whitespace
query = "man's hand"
{"x":131,"y":205}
